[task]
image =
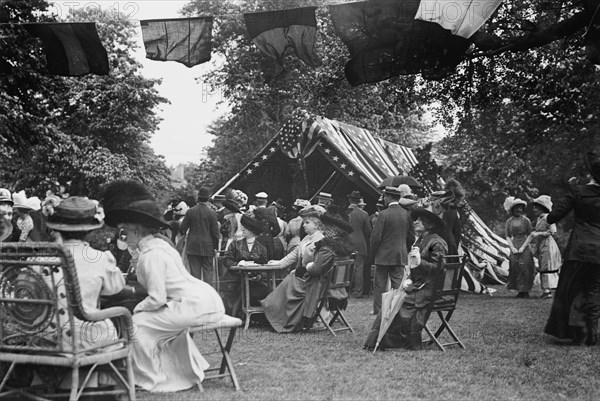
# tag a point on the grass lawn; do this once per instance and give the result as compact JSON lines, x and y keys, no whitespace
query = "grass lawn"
{"x":507,"y":357}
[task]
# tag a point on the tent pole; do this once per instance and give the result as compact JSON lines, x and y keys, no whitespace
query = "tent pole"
{"x":327,"y":181}
{"x":235,"y":177}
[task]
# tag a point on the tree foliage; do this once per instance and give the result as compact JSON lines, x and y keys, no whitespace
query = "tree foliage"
{"x":80,"y":132}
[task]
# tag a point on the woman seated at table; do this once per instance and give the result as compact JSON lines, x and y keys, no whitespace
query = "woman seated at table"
{"x":244,"y":252}
{"x":405,"y":330}
{"x":164,"y":356}
{"x":294,"y":301}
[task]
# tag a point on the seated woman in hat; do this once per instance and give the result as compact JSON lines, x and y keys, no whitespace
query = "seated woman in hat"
{"x":294,"y":301}
{"x":405,"y":330}
{"x":74,"y":218}
{"x":164,"y":356}
{"x":245,"y":251}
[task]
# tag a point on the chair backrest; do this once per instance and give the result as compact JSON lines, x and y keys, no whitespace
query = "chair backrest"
{"x":448,"y":282}
{"x":341,"y":273}
{"x":39,"y":298}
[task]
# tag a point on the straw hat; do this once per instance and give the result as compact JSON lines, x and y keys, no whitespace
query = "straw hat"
{"x":312,"y":211}
{"x":21,"y":201}
{"x":76,"y":213}
{"x":544,"y":201}
{"x":5,"y":196}
{"x":511,"y":202}
{"x":301,"y":203}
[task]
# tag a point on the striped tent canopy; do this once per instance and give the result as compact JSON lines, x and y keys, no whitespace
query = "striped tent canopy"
{"x":312,"y":154}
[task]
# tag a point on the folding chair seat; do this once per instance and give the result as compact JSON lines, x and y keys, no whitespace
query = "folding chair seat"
{"x":445,"y":298}
{"x":41,"y":315}
{"x":338,"y":277}
{"x":226,"y":367}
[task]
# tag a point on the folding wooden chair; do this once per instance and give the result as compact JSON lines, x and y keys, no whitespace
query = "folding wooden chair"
{"x":39,"y":301}
{"x":445,"y":297}
{"x":226,"y":367}
{"x":338,"y":278}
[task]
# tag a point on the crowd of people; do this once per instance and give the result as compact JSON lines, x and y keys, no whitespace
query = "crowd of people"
{"x":161,"y":264}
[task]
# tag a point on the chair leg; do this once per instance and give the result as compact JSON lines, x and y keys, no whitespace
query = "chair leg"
{"x":226,"y":361}
{"x":441,"y":328}
{"x":452,"y":333}
{"x":74,"y":383}
{"x":7,"y":375}
{"x":130,"y":376}
{"x":341,"y":315}
{"x":327,"y":326}
{"x":434,"y":339}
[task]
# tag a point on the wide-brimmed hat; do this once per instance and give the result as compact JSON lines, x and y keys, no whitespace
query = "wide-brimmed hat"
{"x":238,"y":196}
{"x":252,"y":224}
{"x":592,"y":163}
{"x":426,"y":213}
{"x":261,"y":195}
{"x":335,"y":226}
{"x":231,"y":206}
{"x":6,"y":229}
{"x":129,"y":201}
{"x":312,"y":211}
{"x":325,"y":195}
{"x":76,"y":213}
{"x":21,"y":201}
{"x":392,"y":191}
{"x":203,"y":194}
{"x":301,"y":203}
{"x":404,"y":190}
{"x":5,"y":196}
{"x":218,"y":198}
{"x":361,"y":202}
{"x":511,"y":202}
{"x":544,"y":201}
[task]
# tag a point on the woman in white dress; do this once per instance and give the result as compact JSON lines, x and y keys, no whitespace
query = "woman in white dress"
{"x":165,"y":357}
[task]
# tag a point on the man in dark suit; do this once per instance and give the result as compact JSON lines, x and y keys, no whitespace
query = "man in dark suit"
{"x":388,"y":244}
{"x":218,"y":200}
{"x":361,"y":232}
{"x":203,"y":237}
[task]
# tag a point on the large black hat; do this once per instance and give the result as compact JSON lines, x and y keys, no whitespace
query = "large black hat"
{"x":231,"y":206}
{"x":428,"y":215}
{"x":128,"y":201}
{"x":335,"y":226}
{"x":252,"y":224}
{"x":592,"y":163}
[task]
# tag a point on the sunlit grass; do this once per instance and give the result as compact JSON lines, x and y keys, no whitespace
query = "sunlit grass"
{"x":507,"y":357}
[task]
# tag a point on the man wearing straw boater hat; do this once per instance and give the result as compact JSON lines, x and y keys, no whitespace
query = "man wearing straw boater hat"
{"x":388,"y":244}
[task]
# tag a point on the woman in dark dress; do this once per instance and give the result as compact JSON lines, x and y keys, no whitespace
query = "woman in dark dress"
{"x":294,"y":301}
{"x":245,"y":251}
{"x":576,"y":307}
{"x":405,"y":330}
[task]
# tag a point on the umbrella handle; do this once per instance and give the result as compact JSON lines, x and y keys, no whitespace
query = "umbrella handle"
{"x":376,"y":344}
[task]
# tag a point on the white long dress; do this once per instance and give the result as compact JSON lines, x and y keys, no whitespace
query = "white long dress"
{"x":164,"y":356}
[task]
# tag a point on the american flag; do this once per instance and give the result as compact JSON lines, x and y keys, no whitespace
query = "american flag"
{"x":341,"y":163}
{"x":297,"y":134}
{"x":403,"y":156}
{"x":262,"y":156}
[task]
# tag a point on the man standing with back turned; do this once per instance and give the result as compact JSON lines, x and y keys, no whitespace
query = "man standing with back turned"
{"x":388,"y":244}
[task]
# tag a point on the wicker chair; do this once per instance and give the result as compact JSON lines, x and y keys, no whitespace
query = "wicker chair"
{"x":40,"y":313}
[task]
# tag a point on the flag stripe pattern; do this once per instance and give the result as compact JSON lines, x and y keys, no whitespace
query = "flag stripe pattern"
{"x":72,"y":49}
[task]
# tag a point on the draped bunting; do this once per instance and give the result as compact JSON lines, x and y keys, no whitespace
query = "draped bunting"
{"x":273,"y":32}
{"x":71,"y":49}
{"x":385,"y":40}
{"x":462,"y":18}
{"x":184,"y":40}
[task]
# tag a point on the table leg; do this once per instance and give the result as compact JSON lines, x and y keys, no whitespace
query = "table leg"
{"x":274,"y":279}
{"x":246,"y":298}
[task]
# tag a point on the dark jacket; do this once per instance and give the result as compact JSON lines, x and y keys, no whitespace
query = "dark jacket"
{"x":389,"y":236}
{"x":432,"y":247}
{"x":203,"y":237}
{"x":238,"y":250}
{"x":584,"y":243}
{"x":361,"y":229}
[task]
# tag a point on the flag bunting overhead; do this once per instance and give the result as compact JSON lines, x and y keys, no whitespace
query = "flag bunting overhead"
{"x":184,"y":40}
{"x":273,"y":32}
{"x":71,"y":49}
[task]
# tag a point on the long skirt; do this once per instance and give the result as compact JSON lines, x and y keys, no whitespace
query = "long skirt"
{"x":165,"y":357}
{"x":549,"y":261}
{"x":231,"y":292}
{"x":284,"y":307}
{"x":404,"y":332}
{"x":577,"y":300}
{"x":521,"y":271}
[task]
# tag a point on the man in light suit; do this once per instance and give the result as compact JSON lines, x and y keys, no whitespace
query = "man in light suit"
{"x":203,"y":237}
{"x":359,"y":237}
{"x":388,"y":244}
